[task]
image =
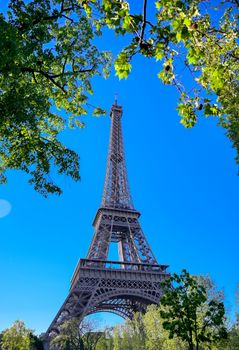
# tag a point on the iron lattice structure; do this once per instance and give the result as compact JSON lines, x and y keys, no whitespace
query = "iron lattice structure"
{"x":134,"y":281}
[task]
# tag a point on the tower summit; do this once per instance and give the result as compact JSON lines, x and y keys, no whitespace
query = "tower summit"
{"x":116,"y":189}
{"x":133,"y":281}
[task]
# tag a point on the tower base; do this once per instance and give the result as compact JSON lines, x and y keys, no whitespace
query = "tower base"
{"x":109,"y":286}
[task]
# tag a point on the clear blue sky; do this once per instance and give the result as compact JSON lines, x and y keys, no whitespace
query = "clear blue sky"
{"x":184,"y":183}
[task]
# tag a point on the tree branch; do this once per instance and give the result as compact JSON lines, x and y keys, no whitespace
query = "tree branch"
{"x":141,"y":38}
{"x":46,"y":75}
{"x":60,"y":14}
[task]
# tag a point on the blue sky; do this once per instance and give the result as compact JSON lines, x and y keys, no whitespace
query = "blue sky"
{"x":184,"y":183}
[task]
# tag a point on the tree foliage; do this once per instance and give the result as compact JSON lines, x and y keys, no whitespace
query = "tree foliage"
{"x":196,"y":37}
{"x":48,"y":57}
{"x":190,"y":314}
{"x":36,"y":343}
{"x":47,"y":60}
{"x":234,"y":336}
{"x":18,"y":337}
{"x":156,"y":336}
{"x":130,"y":335}
{"x":76,"y":335}
{"x":106,"y":340}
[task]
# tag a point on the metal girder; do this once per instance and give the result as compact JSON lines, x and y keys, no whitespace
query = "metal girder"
{"x":107,"y":289}
{"x":116,"y":189}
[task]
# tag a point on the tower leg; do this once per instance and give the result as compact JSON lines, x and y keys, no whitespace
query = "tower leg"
{"x":121,"y":291}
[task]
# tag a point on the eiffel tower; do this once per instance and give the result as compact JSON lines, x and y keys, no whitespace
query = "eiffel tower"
{"x":129,"y":284}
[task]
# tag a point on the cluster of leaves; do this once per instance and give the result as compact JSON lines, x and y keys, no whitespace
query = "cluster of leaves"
{"x":18,"y":337}
{"x":106,"y":340}
{"x":190,"y":314}
{"x":131,"y":335}
{"x":48,"y":57}
{"x":198,"y":35}
{"x":47,"y":60}
{"x":234,"y":336}
{"x":76,"y":335}
{"x":145,"y":332}
{"x":70,"y":336}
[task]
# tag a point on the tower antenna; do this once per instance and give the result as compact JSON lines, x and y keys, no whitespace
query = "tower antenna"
{"x":116,"y":98}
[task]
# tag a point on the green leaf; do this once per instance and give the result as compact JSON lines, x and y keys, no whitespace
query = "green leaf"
{"x":187,"y":22}
{"x":122,"y":65}
{"x":158,"y":4}
{"x":98,"y":112}
{"x":178,"y":36}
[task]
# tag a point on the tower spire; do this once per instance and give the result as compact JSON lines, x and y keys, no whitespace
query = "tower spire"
{"x":116,"y":192}
{"x":116,"y":99}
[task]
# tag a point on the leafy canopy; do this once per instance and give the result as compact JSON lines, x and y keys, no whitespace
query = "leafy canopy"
{"x":47,"y":60}
{"x":48,"y":57}
{"x":76,"y":335}
{"x":18,"y":337}
{"x":195,"y":43}
{"x":190,"y":313}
